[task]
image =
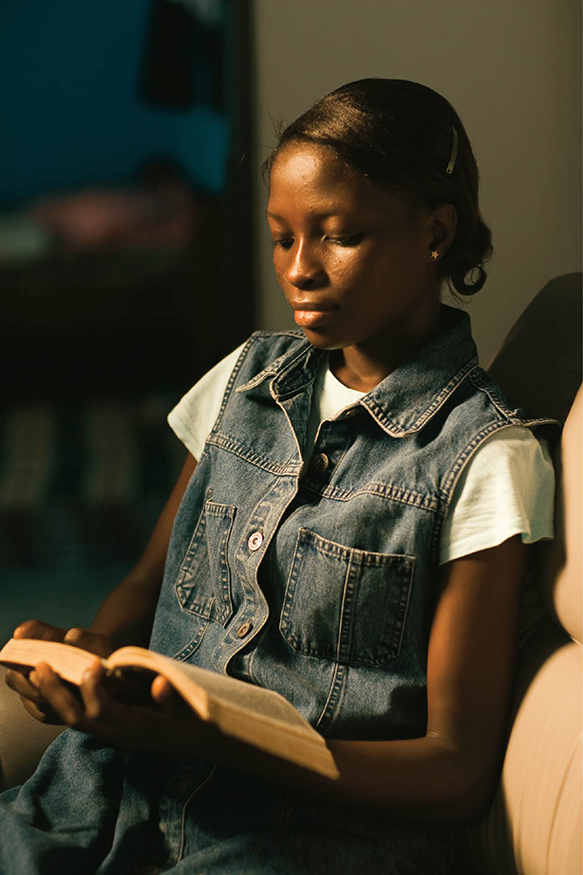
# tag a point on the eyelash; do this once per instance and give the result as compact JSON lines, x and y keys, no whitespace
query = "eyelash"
{"x":353,"y":240}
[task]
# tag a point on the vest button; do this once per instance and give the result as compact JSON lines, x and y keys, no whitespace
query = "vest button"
{"x":321,"y":462}
{"x":255,"y":541}
{"x":244,"y":630}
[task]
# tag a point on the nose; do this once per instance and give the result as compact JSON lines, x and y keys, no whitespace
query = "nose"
{"x":304,"y":269}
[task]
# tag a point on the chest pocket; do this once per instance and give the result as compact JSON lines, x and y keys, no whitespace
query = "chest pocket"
{"x":203,"y":585}
{"x":345,"y":604}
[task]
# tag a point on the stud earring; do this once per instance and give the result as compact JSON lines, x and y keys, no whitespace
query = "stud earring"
{"x":434,"y":254}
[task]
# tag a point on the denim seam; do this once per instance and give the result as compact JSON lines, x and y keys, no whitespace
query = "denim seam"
{"x":274,"y":368}
{"x":395,"y":429}
{"x":386,"y":491}
{"x":186,"y":563}
{"x":334,"y":700}
{"x":230,"y":445}
{"x":353,"y":558}
{"x":452,"y":476}
{"x":232,"y":377}
{"x":185,"y":808}
{"x":344,"y":622}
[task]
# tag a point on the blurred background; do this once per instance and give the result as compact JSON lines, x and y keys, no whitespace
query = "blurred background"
{"x":133,"y":247}
{"x":126,"y":263}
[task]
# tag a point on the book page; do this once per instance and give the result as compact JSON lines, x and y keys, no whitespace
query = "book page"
{"x":221,"y":687}
{"x":252,"y":714}
{"x":69,"y":662}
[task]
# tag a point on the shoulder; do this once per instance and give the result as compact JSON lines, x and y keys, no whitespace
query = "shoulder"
{"x":490,"y":393}
{"x":195,"y":414}
{"x":262,"y":347}
{"x":479,"y":420}
{"x":506,"y":488}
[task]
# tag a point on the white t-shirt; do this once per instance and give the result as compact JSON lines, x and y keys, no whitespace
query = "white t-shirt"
{"x":506,"y":488}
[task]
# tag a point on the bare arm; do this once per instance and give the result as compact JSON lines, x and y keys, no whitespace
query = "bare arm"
{"x":127,"y":614}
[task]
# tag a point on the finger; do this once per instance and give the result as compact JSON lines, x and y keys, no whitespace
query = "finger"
{"x":40,"y":630}
{"x":162,"y":690}
{"x":42,"y":712}
{"x":94,"y":696}
{"x":60,"y":699}
{"x":163,"y":693}
{"x":94,"y":642}
{"x":32,"y":700}
{"x":22,"y":685}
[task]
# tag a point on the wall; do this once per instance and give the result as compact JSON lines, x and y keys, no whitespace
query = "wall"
{"x":511,"y":69}
{"x":70,"y":113}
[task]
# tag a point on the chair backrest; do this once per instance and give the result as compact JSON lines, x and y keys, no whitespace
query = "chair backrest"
{"x":561,"y":570}
{"x":534,"y":826}
{"x":539,"y":363}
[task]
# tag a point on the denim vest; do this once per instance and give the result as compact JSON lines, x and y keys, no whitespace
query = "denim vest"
{"x":320,"y":581}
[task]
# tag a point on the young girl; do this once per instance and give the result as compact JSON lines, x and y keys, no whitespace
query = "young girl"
{"x":348,"y":530}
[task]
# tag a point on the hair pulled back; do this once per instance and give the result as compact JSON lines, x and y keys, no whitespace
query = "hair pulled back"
{"x":399,"y":134}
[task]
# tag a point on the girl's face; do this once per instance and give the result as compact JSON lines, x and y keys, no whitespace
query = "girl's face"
{"x":354,"y":263}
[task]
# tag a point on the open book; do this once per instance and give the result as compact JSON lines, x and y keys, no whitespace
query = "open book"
{"x":254,"y":715}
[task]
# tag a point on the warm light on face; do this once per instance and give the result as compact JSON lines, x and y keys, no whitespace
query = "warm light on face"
{"x":352,"y":261}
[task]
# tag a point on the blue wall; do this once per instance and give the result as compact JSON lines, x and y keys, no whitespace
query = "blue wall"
{"x":69,"y":110}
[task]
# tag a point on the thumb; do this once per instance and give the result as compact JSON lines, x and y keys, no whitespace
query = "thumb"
{"x":163,"y":692}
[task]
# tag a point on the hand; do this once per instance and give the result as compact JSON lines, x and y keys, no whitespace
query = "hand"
{"x":32,"y":698}
{"x":169,"y":726}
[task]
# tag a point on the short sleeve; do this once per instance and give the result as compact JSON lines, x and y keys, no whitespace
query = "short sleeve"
{"x":195,"y":414}
{"x":506,"y":489}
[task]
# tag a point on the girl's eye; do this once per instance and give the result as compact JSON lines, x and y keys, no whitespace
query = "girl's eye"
{"x":353,"y":240}
{"x":284,"y":243}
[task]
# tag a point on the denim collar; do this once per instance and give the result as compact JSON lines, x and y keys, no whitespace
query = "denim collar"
{"x":404,"y":401}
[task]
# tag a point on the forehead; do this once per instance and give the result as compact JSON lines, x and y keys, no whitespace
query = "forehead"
{"x":307,"y":172}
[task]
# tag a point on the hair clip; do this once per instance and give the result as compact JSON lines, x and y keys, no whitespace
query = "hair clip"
{"x":453,"y":156}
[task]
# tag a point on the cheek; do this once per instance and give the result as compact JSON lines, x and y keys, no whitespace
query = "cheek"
{"x":351,"y":270}
{"x":278,"y":268}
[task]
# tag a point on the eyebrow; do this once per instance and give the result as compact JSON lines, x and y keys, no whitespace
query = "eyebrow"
{"x":323,"y":215}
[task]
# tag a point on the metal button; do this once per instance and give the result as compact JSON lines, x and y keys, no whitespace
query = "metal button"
{"x":244,"y":630}
{"x":255,"y":541}
{"x":321,"y":462}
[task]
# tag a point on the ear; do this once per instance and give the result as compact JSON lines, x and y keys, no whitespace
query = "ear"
{"x":443,"y":227}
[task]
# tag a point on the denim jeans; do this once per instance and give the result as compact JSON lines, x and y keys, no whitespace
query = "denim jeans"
{"x":92,"y":809}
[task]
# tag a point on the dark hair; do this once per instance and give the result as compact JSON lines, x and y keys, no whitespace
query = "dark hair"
{"x":400,"y":134}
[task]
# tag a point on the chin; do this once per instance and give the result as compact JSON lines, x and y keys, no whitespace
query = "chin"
{"x":321,"y":340}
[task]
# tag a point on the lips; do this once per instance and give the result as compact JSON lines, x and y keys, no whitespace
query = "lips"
{"x":309,"y":314}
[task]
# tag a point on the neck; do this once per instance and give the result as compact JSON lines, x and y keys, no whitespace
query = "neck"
{"x":364,"y":365}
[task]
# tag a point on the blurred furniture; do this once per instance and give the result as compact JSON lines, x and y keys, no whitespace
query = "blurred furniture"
{"x":534,"y":824}
{"x":115,"y":319}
